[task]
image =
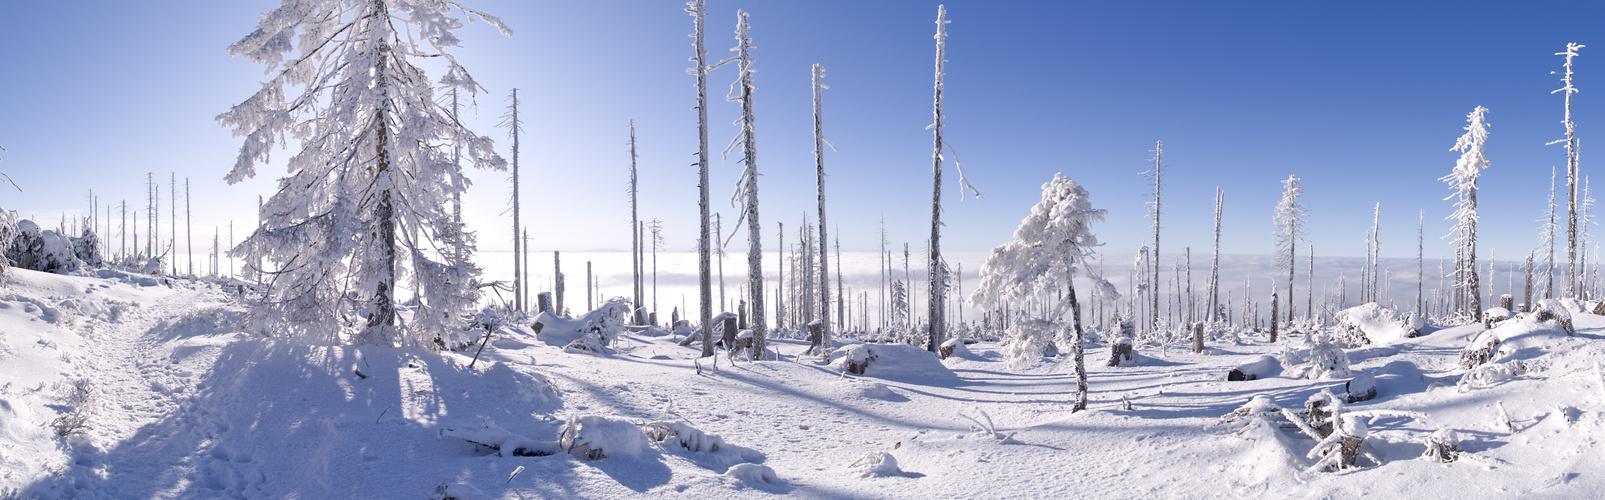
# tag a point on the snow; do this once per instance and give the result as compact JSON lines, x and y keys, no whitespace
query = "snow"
{"x":181,"y":403}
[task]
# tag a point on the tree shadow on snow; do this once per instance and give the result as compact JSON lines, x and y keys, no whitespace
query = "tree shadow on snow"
{"x":285,"y":419}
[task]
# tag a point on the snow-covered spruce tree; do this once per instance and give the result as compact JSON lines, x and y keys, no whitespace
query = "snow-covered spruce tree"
{"x":1289,"y":220}
{"x":824,"y":257}
{"x":1463,"y":180}
{"x":1049,"y":248}
{"x":374,"y":168}
{"x":1214,"y":264}
{"x":514,"y":126}
{"x":1570,"y":141}
{"x":747,"y":186}
{"x":704,"y":247}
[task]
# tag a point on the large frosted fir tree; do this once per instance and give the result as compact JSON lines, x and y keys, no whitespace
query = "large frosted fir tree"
{"x":365,"y":204}
{"x":1049,"y":248}
{"x":1289,"y":221}
{"x":1463,"y":180}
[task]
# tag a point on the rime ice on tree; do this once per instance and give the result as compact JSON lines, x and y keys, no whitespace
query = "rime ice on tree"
{"x":364,"y":206}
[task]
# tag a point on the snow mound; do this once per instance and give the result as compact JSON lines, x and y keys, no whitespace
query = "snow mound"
{"x":505,"y":443}
{"x":1372,"y":323}
{"x":594,"y":437}
{"x":753,"y":473}
{"x":899,"y":362}
{"x":876,"y":464}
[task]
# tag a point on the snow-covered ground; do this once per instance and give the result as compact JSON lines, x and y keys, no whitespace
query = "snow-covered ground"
{"x":176,"y":403}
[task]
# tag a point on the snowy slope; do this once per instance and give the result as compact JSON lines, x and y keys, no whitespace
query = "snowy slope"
{"x":184,"y":406}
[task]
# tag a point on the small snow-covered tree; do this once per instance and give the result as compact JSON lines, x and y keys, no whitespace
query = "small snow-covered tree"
{"x":374,"y":168}
{"x":1289,"y":220}
{"x":1463,"y":180}
{"x":1049,"y":248}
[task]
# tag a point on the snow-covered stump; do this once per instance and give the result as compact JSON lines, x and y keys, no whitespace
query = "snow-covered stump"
{"x":1442,"y":446}
{"x":1119,"y":350}
{"x":1198,"y":338}
{"x":1598,"y":309}
{"x":1258,"y":368}
{"x":1363,"y":387}
{"x":544,"y":303}
{"x":1480,"y":350}
{"x":1509,"y":303}
{"x":816,"y":334}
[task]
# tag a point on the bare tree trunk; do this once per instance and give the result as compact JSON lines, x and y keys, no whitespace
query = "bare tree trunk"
{"x":1273,"y":314}
{"x":1153,"y":291}
{"x":704,"y":270}
{"x":557,"y":288}
{"x":1078,"y":352}
{"x":635,"y":238}
{"x":824,"y":255}
{"x":934,"y":300}
{"x":518,"y":282}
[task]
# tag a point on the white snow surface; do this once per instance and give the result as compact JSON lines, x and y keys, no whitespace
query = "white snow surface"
{"x":180,"y":404}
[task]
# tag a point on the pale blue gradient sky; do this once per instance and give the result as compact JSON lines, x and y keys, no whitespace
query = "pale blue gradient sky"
{"x":1361,"y":99}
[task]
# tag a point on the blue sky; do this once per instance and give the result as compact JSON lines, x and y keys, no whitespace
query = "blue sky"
{"x":1360,"y":99}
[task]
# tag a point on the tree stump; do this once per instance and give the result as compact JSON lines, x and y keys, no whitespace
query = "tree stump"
{"x":1509,"y":303}
{"x":1120,"y":350}
{"x":1198,"y":338}
{"x":730,"y":329}
{"x":816,"y":334}
{"x":543,"y":301}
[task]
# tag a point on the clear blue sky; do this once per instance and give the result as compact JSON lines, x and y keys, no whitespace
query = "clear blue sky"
{"x":1360,"y":99}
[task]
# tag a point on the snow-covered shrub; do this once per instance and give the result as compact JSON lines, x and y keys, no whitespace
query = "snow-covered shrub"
{"x":753,"y":473}
{"x":1028,"y":342}
{"x":1327,"y":360}
{"x":87,"y":248}
{"x":1442,"y":446}
{"x":594,"y":437}
{"x":39,"y":250}
{"x":876,"y":464}
{"x":78,"y":396}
